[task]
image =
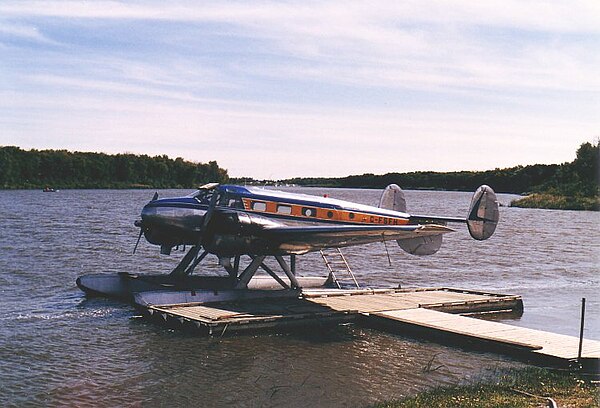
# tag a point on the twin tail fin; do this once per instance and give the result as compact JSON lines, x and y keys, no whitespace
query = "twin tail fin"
{"x":482,"y":218}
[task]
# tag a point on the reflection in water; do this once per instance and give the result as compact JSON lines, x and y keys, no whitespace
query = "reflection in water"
{"x":57,"y":348}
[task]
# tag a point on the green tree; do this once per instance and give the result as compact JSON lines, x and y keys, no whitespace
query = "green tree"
{"x":63,"y":169}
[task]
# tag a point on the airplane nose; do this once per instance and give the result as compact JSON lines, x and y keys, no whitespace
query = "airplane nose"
{"x":148,"y":212}
{"x":149,"y":217}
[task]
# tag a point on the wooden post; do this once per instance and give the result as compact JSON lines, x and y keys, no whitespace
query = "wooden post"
{"x":581,"y":330}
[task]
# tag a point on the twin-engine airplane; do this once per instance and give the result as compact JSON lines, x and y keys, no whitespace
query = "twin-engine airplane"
{"x":230,"y":221}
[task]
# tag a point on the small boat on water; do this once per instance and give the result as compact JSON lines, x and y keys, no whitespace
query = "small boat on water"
{"x":49,"y":190}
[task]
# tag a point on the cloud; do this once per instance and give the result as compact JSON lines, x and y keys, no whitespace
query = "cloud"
{"x":435,"y":44}
{"x":277,"y":89}
{"x":328,"y":16}
{"x":268,"y":141}
{"x":23,"y":31}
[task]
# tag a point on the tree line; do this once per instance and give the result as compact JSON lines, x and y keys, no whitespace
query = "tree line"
{"x":63,"y":169}
{"x":579,"y":177}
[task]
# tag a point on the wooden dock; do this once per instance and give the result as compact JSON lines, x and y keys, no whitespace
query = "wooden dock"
{"x":442,"y":299}
{"x":436,"y":313}
{"x":327,"y":305}
{"x":259,"y":314}
{"x":537,"y":344}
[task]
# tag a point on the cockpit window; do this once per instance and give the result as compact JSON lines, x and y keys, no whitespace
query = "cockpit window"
{"x":224,"y":200}
{"x":194,"y":194}
{"x":203,"y":196}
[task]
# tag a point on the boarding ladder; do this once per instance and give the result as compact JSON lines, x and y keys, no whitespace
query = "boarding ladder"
{"x":338,"y":266}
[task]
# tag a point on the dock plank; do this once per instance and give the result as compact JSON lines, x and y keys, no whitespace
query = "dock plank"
{"x":249,"y":314}
{"x":546,"y":343}
{"x":398,"y":299}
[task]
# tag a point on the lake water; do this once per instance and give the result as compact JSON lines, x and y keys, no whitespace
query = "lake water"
{"x":58,"y":348}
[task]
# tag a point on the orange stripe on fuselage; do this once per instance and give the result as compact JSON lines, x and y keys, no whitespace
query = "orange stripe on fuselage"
{"x":328,"y":214}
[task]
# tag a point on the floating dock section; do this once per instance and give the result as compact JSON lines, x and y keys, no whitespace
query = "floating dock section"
{"x":537,"y":345}
{"x":325,"y":305}
{"x":267,"y":313}
{"x":367,"y":301}
{"x":435,"y":313}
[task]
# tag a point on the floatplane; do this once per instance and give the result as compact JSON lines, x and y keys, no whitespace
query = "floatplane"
{"x":232,"y":222}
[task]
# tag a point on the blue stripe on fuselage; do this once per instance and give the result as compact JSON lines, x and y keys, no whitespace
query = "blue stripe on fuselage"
{"x":179,"y":202}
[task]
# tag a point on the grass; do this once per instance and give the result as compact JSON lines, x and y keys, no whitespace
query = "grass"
{"x":558,"y":202}
{"x":514,"y":389}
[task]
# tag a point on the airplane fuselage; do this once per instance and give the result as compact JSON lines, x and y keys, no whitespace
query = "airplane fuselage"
{"x":244,"y":212}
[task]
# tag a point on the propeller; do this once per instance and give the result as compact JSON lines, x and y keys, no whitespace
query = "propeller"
{"x":184,"y":267}
{"x":138,"y":239}
{"x":209,"y":214}
{"x":140,"y":223}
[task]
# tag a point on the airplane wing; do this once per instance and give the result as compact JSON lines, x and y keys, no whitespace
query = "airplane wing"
{"x":300,"y":240}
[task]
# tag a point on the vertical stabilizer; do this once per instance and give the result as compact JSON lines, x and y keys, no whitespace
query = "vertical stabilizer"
{"x":483,"y":213}
{"x":392,"y":198}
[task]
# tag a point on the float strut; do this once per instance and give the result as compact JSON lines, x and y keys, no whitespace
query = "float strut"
{"x":249,"y":272}
{"x":293,"y":263}
{"x":180,"y":269}
{"x":198,"y":259}
{"x":288,"y":272}
{"x":274,"y":276}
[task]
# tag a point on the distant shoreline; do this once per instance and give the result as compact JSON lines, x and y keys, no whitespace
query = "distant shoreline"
{"x":571,"y":186}
{"x":558,"y":202}
{"x":536,"y":200}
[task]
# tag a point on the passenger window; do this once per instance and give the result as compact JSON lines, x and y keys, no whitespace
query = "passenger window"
{"x":284,"y":209}
{"x":309,"y":212}
{"x":235,"y":203}
{"x":259,"y":206}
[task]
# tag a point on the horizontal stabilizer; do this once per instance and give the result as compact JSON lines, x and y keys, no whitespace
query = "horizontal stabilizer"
{"x":483,"y":213}
{"x":421,"y":246}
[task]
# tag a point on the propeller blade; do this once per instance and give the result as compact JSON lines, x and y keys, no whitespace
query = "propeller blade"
{"x":211,"y":210}
{"x":207,"y":217}
{"x":138,"y":240}
{"x":139,"y":223}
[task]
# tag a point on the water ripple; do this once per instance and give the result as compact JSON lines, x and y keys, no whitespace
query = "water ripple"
{"x":59,"y":349}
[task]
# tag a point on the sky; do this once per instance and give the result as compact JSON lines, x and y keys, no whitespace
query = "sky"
{"x":274,"y":90}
